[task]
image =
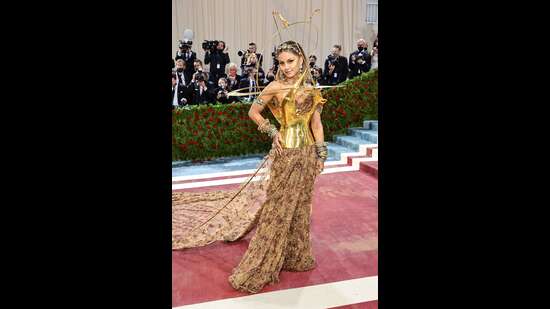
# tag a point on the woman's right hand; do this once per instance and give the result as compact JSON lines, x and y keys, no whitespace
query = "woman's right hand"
{"x":277,"y":143}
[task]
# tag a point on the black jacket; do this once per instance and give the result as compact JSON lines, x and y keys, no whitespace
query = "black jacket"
{"x":331,"y":79}
{"x":217,"y":60}
{"x":189,"y":60}
{"x":204,"y":98}
{"x":183,"y":93}
{"x":184,"y":78}
{"x":222,"y":99}
{"x":355,"y":68}
{"x":234,"y":85}
{"x":245,"y":83}
{"x":341,"y":70}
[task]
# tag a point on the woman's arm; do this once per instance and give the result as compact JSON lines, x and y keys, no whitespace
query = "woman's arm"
{"x":258,"y":106}
{"x":318,"y":134}
{"x":317,"y":126}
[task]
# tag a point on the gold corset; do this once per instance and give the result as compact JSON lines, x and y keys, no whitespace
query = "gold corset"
{"x":295,"y":124}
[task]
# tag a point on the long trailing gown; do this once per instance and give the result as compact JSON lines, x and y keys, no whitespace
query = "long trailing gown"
{"x":277,"y":199}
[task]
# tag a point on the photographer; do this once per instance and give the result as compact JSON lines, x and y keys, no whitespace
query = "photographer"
{"x":252,"y":62}
{"x":359,"y":60}
{"x":340,"y":71}
{"x":222,"y":91}
{"x":245,"y":56}
{"x":233,"y":79}
{"x":217,"y":57}
{"x":331,"y":76}
{"x":181,"y":71}
{"x":187,"y":55}
{"x":313,"y":64}
{"x":201,"y":93}
{"x":250,"y":82}
{"x":316,"y":72}
{"x":198,"y":69}
{"x":178,"y":92}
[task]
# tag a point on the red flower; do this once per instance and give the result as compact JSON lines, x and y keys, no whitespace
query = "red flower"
{"x":220,"y":113}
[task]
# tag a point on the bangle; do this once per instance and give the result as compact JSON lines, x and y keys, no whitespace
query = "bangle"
{"x":322,"y":152}
{"x":266,"y":127}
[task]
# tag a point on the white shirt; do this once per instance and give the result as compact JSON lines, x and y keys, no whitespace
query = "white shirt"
{"x":374,"y":62}
{"x":251,"y":88}
{"x":175,"y":100}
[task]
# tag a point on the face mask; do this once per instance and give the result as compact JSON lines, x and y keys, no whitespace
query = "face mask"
{"x":360,"y":48}
{"x":180,"y":69}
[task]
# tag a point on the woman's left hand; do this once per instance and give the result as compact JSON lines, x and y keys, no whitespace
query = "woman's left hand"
{"x":320,"y":165}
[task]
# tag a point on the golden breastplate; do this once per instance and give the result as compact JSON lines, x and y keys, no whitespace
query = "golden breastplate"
{"x":295,"y":124}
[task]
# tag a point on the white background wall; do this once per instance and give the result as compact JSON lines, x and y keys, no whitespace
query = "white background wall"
{"x":239,"y":22}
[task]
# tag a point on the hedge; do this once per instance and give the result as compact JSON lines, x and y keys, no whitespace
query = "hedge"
{"x":211,"y":131}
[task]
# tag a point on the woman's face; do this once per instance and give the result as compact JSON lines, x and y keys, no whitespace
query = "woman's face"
{"x":233,"y":71}
{"x":289,"y":63}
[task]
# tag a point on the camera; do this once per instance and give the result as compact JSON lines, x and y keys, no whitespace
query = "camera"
{"x":200,"y":77}
{"x":210,"y":45}
{"x":241,"y":53}
{"x":185,"y":44}
{"x":360,"y":58}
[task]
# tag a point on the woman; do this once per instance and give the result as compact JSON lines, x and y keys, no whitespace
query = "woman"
{"x":284,"y":193}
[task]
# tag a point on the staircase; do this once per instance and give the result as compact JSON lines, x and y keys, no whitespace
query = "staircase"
{"x":357,"y":151}
{"x":355,"y":141}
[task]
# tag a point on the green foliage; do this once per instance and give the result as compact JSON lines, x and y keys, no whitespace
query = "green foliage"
{"x":210,"y":131}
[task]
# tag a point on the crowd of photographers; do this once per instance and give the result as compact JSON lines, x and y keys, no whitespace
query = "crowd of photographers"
{"x":193,"y":85}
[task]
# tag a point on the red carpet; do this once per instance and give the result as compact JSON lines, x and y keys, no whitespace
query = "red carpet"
{"x":369,"y":167}
{"x":344,"y":236}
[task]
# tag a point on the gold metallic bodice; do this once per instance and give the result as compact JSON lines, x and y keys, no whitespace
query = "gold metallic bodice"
{"x":294,"y":124}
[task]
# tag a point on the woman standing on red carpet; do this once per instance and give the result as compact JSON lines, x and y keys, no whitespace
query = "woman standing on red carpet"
{"x":279,"y":201}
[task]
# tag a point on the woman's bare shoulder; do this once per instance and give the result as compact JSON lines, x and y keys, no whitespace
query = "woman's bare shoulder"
{"x":274,"y":85}
{"x":273,"y":88}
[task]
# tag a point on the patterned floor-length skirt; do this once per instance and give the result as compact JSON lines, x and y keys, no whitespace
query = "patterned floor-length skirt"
{"x":279,"y":204}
